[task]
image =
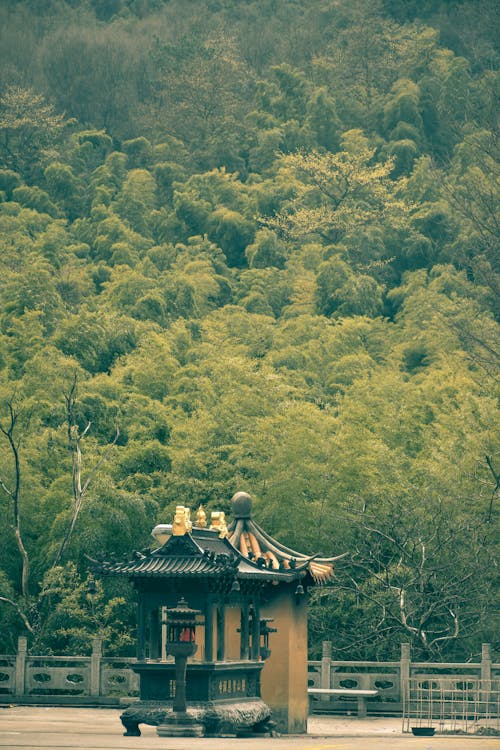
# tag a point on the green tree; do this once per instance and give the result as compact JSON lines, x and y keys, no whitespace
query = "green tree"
{"x":65,"y":188}
{"x":92,"y":70}
{"x":232,"y":232}
{"x":199,"y":88}
{"x":322,"y":119}
{"x":343,"y":293}
{"x":76,"y":613}
{"x":137,"y":199}
{"x":338,"y":195}
{"x":266,"y":250}
{"x":30,"y":130}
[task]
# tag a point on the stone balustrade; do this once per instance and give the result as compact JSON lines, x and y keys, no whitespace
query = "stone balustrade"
{"x":393,"y":679}
{"x":66,"y":679}
{"x":97,"y":679}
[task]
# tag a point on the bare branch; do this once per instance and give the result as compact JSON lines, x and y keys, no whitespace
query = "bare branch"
{"x":19,"y":612}
{"x":5,"y":488}
{"x":496,"y":488}
{"x":74,"y":444}
{"x":9,"y":432}
{"x":453,"y":635}
{"x":101,"y":460}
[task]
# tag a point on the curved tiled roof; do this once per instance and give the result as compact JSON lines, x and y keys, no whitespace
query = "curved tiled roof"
{"x":255,"y":544}
{"x":180,"y":556}
{"x":152,"y":566}
{"x":247,"y":552}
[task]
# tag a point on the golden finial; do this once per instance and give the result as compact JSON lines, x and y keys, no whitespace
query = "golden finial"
{"x":218,"y":522}
{"x":201,"y":518}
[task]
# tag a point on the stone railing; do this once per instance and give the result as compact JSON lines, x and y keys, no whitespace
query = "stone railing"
{"x":66,"y":679}
{"x":97,"y":679}
{"x":392,"y":679}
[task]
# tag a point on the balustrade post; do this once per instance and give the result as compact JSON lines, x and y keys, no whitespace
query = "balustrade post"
{"x":486,"y":673}
{"x":486,"y":662}
{"x":95,"y":667}
{"x":404,"y":673}
{"x":22,"y":650}
{"x":326,"y":664}
{"x":326,"y":669}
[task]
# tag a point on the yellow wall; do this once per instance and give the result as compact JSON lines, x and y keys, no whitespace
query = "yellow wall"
{"x":284,"y":677}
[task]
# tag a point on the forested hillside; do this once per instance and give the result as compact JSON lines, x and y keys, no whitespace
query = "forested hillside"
{"x":251,"y":246}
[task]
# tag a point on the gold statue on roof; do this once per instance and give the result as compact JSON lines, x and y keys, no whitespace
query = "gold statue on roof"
{"x":201,"y":518}
{"x":182,"y":521}
{"x":218,"y":523}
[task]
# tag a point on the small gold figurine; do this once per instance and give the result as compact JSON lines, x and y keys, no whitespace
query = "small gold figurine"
{"x":218,"y":522}
{"x":201,"y":518}
{"x":179,"y":526}
{"x":187,"y":519}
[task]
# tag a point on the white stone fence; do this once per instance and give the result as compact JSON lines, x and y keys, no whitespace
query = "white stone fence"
{"x":62,"y":680}
{"x":392,"y":679}
{"x":101,"y":680}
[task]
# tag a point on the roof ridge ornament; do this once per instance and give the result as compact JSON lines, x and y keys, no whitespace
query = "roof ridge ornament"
{"x":201,"y":518}
{"x":218,"y":523}
{"x":182,"y":521}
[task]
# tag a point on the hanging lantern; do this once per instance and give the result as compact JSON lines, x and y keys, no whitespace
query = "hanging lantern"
{"x":265,"y":651}
{"x":181,"y":629}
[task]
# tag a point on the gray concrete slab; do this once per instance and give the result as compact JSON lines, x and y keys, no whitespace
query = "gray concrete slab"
{"x":51,"y":728}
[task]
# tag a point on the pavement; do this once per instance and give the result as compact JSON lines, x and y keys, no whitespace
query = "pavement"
{"x":54,"y":728}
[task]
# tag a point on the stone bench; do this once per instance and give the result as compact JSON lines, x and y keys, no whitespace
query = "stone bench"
{"x":361,"y":695}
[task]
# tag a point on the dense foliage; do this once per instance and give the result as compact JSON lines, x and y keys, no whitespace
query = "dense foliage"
{"x":251,"y":246}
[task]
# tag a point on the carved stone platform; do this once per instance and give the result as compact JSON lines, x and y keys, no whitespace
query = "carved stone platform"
{"x":236,"y":718}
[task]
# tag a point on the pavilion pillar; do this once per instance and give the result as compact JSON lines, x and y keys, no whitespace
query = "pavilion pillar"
{"x":154,"y":634}
{"x":141,"y":630}
{"x":255,"y":649}
{"x":163,"y":631}
{"x":284,"y":677}
{"x":209,"y":631}
{"x":221,"y":632}
{"x":244,"y":633}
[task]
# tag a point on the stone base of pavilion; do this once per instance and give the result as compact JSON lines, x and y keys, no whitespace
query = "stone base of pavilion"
{"x":180,"y":724}
{"x":238,"y":718}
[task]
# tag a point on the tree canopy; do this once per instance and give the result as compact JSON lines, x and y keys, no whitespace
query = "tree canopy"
{"x":251,"y":246}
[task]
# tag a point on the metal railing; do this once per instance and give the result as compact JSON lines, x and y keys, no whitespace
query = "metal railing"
{"x":452,"y":705}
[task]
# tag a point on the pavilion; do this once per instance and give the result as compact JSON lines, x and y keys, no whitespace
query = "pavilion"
{"x":238,"y":580}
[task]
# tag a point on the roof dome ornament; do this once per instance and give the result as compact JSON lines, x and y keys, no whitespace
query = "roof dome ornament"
{"x":242,"y":505}
{"x":264,"y":552}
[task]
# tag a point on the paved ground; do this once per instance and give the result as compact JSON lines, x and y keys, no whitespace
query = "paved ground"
{"x":34,"y":728}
